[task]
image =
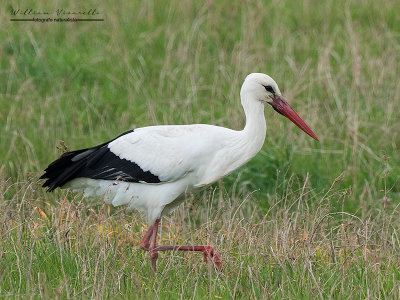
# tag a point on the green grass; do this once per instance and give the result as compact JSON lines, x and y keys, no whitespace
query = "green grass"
{"x":301,"y":220}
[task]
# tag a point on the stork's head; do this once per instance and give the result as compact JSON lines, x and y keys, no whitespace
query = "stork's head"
{"x":262,"y":88}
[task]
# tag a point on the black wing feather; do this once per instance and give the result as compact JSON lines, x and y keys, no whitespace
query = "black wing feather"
{"x":97,"y":163}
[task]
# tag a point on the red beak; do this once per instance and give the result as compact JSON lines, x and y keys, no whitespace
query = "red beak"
{"x":282,"y":107}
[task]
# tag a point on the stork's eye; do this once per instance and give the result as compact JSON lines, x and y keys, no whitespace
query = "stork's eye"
{"x":269,"y":89}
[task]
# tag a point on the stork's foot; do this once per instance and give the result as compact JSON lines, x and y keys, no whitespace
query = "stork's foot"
{"x":208,"y":253}
{"x":148,"y":243}
{"x":213,"y":256}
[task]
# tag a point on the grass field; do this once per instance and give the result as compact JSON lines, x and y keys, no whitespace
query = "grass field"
{"x":301,"y":220}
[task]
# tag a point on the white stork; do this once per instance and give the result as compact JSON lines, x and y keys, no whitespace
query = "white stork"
{"x":149,"y":168}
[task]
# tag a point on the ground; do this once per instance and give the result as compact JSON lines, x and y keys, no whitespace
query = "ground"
{"x":301,"y":220}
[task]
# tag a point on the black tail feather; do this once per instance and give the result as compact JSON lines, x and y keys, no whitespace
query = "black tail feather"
{"x":62,"y":170}
{"x":65,"y":168}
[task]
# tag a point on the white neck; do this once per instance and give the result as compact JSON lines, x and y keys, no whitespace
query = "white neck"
{"x":253,"y":134}
{"x":242,"y":145}
{"x":255,"y":120}
{"x":249,"y":141}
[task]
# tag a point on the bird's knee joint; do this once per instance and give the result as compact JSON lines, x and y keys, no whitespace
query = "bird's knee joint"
{"x":154,"y":254}
{"x":208,"y":250}
{"x":144,"y":246}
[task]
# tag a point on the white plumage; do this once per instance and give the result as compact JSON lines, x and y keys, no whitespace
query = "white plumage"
{"x":182,"y":157}
{"x":149,"y":168}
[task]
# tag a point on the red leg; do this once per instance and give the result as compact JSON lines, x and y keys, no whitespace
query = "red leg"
{"x":149,"y":242}
{"x":145,"y":243}
{"x":152,"y":249}
{"x":208,"y":252}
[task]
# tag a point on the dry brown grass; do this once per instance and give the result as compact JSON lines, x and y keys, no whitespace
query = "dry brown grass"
{"x":74,"y":248}
{"x":280,"y":228}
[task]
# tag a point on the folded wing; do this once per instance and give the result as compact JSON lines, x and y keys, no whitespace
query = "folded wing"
{"x":147,"y":155}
